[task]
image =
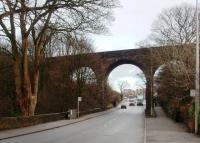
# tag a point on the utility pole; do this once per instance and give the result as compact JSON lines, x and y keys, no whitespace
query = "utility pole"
{"x":151,"y":78}
{"x":197,"y":71}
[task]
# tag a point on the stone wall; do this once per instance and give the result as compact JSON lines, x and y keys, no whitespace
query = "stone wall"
{"x":17,"y":122}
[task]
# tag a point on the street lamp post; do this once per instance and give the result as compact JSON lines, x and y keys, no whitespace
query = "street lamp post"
{"x":197,"y":71}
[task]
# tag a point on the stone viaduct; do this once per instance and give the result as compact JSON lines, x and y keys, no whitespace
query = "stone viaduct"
{"x":102,"y":63}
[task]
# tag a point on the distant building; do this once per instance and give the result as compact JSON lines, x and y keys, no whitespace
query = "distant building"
{"x":128,"y":92}
{"x":137,"y":92}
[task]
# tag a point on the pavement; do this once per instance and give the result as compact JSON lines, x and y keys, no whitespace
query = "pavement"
{"x":114,"y":125}
{"x":6,"y":134}
{"x":118,"y":126}
{"x":164,"y":130}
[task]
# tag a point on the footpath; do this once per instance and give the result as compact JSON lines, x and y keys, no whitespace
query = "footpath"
{"x":49,"y":126}
{"x":164,"y":130}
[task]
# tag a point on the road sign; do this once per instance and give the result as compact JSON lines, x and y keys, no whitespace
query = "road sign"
{"x":192,"y":92}
{"x":79,"y":99}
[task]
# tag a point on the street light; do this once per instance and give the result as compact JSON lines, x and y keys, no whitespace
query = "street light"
{"x":197,"y":71}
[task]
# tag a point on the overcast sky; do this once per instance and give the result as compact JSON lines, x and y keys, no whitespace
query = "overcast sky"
{"x":132,"y":24}
{"x":131,"y":76}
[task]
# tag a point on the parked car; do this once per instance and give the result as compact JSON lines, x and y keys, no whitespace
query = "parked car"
{"x":123,"y":106}
{"x":131,"y":104}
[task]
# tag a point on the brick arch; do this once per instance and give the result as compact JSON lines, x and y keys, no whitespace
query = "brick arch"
{"x":102,"y":63}
{"x":84,"y":66}
{"x":73,"y":69}
{"x":119,"y":62}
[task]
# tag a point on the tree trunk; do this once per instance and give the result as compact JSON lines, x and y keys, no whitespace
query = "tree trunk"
{"x":35,"y":85}
{"x":22,"y":93}
{"x":26,"y":84}
{"x":17,"y":78}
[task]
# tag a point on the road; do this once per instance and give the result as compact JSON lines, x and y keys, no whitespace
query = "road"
{"x":121,"y":126}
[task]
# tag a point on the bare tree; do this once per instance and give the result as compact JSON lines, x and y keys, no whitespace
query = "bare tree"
{"x":82,"y":75}
{"x":174,"y":34}
{"x":142,"y":77}
{"x":24,"y":21}
{"x":175,"y":26}
{"x":122,"y":86}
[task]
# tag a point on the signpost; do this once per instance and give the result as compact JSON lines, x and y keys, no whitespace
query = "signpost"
{"x":192,"y":92}
{"x":79,"y":100}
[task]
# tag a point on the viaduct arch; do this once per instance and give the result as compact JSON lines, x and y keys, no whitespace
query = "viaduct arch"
{"x":102,"y":63}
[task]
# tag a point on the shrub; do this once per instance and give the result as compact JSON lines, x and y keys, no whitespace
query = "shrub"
{"x":199,"y":119}
{"x":190,"y":112}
